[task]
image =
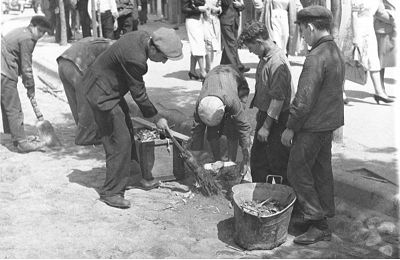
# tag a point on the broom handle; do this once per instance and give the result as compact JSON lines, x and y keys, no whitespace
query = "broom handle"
{"x":36,"y":109}
{"x":176,"y":143}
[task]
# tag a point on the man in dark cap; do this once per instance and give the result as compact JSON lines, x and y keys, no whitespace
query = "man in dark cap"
{"x":316,"y":111}
{"x":115,"y":72}
{"x":220,"y":110}
{"x":16,"y":60}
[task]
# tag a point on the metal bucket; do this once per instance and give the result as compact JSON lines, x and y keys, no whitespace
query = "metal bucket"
{"x":262,"y":233}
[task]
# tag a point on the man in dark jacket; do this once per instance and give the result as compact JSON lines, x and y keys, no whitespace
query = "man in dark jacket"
{"x":220,"y":109}
{"x":229,"y":20}
{"x":72,"y":64}
{"x":16,"y":60}
{"x":316,"y":111}
{"x":115,"y":72}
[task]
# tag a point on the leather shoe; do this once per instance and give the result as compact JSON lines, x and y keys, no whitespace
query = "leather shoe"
{"x":313,"y":235}
{"x":116,"y":201}
{"x":145,"y":185}
{"x":26,"y":146}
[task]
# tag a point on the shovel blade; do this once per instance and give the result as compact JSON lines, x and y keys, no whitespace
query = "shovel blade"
{"x":47,"y":134}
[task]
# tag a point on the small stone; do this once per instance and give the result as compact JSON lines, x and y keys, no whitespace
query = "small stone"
{"x":373,"y":222}
{"x":373,"y":239}
{"x":387,"y":228}
{"x":386,"y":250}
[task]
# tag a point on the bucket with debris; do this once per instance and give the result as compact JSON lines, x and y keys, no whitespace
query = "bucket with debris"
{"x":262,"y":214}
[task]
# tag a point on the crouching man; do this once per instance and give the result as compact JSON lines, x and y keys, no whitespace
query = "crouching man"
{"x":220,"y":110}
{"x":115,"y":72}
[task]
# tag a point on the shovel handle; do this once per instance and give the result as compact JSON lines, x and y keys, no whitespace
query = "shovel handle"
{"x":36,"y":109}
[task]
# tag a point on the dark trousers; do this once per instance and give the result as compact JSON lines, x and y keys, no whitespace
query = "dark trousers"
{"x":229,"y":43}
{"x":115,"y":127}
{"x":126,"y":24}
{"x":13,"y":118}
{"x":107,"y":24}
{"x":310,"y":174}
{"x":271,"y":157}
{"x":58,"y":26}
{"x":143,"y":12}
{"x":84,"y":17}
{"x":70,"y":75}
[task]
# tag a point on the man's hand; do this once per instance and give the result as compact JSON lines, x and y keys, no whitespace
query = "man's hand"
{"x":262,"y":134}
{"x":244,"y":167}
{"x":202,"y":9}
{"x":139,"y":8}
{"x":287,"y":137}
{"x":162,"y":123}
{"x":237,"y":4}
{"x":30,"y":92}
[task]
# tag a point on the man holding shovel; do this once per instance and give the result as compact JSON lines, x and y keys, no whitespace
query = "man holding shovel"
{"x":16,"y":60}
{"x":115,"y":72}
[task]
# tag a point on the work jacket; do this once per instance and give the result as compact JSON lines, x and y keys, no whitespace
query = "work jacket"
{"x":118,"y":70}
{"x":318,"y":104}
{"x":231,"y":87}
{"x":16,"y":55}
{"x":84,"y":52}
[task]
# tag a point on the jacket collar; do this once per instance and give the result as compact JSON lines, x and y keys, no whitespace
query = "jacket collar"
{"x":322,"y":40}
{"x":268,"y":53}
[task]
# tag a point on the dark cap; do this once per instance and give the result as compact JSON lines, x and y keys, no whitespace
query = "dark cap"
{"x":43,"y":22}
{"x":168,"y":42}
{"x":314,"y":12}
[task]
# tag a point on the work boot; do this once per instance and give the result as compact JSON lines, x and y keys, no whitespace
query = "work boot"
{"x":318,"y":231}
{"x":26,"y":146}
{"x":116,"y":201}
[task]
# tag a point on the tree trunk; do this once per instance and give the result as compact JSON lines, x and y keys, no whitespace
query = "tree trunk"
{"x":63,"y":40}
{"x":94,"y":22}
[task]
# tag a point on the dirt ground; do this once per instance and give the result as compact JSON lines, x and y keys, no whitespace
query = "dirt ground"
{"x":50,"y":209}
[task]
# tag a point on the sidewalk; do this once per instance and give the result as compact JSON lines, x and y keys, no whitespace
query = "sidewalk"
{"x":365,"y":165}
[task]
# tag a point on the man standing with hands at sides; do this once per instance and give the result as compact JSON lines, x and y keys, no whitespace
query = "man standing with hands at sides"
{"x":115,"y":72}
{"x":316,"y":111}
{"x":272,"y":98}
{"x":16,"y":60}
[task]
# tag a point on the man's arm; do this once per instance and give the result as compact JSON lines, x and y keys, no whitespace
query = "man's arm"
{"x":308,"y":89}
{"x":26,"y":50}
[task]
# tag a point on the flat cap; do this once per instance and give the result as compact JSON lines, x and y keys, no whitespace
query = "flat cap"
{"x":168,"y":42}
{"x":313,"y":12}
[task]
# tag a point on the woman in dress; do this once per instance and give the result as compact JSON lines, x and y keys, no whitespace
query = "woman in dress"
{"x":386,"y":33}
{"x":364,"y":38}
{"x":279,"y":17}
{"x":212,"y":31}
{"x":194,"y":10}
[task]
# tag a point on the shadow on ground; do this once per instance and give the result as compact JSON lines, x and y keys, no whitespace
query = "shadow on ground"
{"x":93,"y":178}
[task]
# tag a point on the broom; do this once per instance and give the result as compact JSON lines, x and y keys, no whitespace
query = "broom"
{"x":45,"y":129}
{"x":207,"y":182}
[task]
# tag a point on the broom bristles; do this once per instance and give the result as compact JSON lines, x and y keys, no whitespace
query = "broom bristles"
{"x":47,"y":134}
{"x":207,"y":182}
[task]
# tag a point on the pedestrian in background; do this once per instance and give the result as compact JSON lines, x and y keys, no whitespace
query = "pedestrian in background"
{"x":49,"y":14}
{"x":72,"y":64}
{"x":84,"y":17}
{"x":279,"y":16}
{"x":143,"y":12}
{"x":67,"y":6}
{"x":212,"y":31}
{"x":108,"y":15}
{"x":273,"y":91}
{"x":386,"y":35}
{"x":315,"y":112}
{"x":194,"y":10}
{"x":364,"y":38}
{"x":229,"y":19}
{"x":128,"y":16}
{"x":16,"y":60}
{"x":220,"y":110}
{"x":114,"y":73}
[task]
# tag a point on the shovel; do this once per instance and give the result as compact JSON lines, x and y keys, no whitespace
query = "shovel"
{"x":45,"y":129}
